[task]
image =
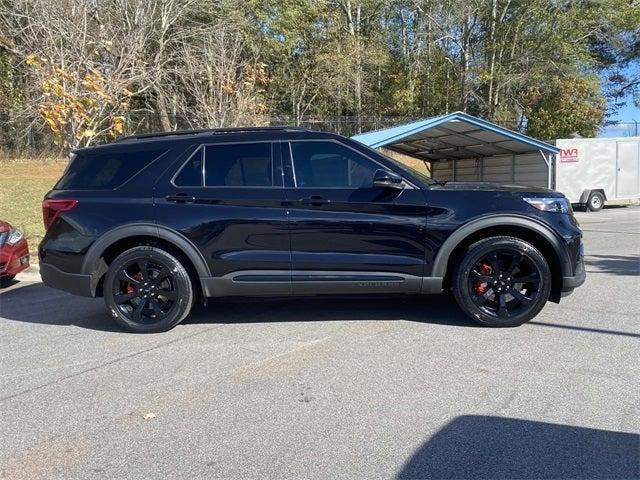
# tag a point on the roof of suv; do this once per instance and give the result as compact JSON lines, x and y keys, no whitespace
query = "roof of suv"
{"x":216,"y":135}
{"x":212,"y":131}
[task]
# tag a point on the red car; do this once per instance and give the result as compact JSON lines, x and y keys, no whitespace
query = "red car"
{"x":14,"y":252}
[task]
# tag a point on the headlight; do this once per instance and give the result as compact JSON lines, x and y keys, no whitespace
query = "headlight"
{"x":14,"y":237}
{"x":558,"y":205}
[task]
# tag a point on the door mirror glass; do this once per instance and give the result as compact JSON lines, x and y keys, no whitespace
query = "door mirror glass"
{"x":387,"y":179}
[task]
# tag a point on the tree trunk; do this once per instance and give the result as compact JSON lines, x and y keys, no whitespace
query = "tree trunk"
{"x":161,"y":107}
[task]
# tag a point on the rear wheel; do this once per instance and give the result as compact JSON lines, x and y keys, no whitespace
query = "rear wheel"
{"x":148,"y":290}
{"x":595,"y":202}
{"x":502,"y":282}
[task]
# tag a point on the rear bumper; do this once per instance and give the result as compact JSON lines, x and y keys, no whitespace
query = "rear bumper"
{"x":69,"y":282}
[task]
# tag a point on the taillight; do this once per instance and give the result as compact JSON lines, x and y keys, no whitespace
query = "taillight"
{"x":53,"y":207}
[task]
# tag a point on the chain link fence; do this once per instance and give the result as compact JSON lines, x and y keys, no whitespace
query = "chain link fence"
{"x":37,"y":139}
{"x":145,"y":122}
{"x":621,"y":129}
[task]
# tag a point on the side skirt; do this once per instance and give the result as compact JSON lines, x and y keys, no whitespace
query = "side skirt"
{"x":261,"y":283}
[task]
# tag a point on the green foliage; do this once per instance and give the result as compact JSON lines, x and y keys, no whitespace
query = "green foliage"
{"x":565,"y":107}
{"x":529,"y":64}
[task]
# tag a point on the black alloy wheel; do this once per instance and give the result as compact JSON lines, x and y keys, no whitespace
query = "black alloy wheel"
{"x":502,"y":281}
{"x":148,"y":290}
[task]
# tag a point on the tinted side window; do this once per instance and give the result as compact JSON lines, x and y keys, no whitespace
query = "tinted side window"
{"x":190,"y":174}
{"x":91,"y":170}
{"x":329,"y":164}
{"x":239,"y":165}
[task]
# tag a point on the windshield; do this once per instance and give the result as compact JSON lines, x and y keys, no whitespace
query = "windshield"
{"x":410,"y":170}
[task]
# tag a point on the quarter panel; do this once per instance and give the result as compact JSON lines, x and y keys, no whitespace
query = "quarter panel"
{"x":70,"y":237}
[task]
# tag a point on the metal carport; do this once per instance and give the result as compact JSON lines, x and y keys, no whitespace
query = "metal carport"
{"x":462,"y":147}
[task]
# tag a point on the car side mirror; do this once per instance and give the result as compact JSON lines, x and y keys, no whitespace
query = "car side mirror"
{"x":387,"y":179}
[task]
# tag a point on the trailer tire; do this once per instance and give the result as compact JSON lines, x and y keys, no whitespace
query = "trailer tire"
{"x":595,"y":202}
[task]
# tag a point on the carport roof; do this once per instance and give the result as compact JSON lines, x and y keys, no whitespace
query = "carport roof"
{"x":453,"y":136}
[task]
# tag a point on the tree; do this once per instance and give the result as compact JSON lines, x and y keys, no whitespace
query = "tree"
{"x":81,"y":64}
{"x":219,"y":82}
{"x":82,"y":70}
{"x":565,"y":107}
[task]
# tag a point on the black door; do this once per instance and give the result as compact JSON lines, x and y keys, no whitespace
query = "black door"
{"x":346,"y":235}
{"x":228,"y":200}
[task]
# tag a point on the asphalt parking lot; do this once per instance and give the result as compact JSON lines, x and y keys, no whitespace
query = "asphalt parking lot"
{"x":382,"y":388}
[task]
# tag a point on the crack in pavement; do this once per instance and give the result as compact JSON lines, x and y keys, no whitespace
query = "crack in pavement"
{"x":108,"y":363}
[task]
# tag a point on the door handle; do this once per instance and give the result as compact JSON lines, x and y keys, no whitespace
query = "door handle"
{"x":180,"y":198}
{"x":315,"y":200}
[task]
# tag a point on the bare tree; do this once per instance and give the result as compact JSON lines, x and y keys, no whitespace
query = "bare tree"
{"x":221,"y":81}
{"x":87,"y":61}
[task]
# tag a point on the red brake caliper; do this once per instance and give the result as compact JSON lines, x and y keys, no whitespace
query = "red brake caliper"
{"x":130,"y":286}
{"x":483,"y":269}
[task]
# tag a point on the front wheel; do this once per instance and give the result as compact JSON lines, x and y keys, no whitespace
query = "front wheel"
{"x":148,"y":290}
{"x":502,"y":282}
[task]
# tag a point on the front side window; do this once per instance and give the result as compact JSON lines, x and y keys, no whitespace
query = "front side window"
{"x":329,"y":164}
{"x":238,"y":165}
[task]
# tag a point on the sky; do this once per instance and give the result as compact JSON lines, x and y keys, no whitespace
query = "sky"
{"x":627,"y":114}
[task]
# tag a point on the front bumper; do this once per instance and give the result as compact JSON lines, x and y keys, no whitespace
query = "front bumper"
{"x":14,"y":258}
{"x":570,"y":283}
{"x":69,"y":282}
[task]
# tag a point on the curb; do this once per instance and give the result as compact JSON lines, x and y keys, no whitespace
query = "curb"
{"x":31,"y":274}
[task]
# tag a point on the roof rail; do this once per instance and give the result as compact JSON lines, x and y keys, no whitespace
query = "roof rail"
{"x":211,"y":130}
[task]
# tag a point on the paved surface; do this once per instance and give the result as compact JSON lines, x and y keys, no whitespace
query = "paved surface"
{"x":324,"y":389}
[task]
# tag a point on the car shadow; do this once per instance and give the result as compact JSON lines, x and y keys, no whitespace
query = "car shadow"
{"x":488,"y":447}
{"x":5,"y":283}
{"x":434,"y":309}
{"x":613,"y":264}
{"x":40,"y":304}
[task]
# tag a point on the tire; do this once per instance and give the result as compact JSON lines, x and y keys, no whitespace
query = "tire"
{"x":147,"y":290}
{"x":595,"y":202}
{"x":496,"y":301}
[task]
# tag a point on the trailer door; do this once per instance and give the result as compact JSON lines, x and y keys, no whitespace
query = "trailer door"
{"x":627,"y":169}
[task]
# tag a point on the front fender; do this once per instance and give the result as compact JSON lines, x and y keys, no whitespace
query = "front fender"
{"x":444,"y":253}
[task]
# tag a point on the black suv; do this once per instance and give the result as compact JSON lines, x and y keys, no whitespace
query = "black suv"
{"x":154,"y":222}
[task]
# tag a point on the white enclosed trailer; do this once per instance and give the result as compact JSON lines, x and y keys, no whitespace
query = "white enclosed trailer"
{"x":595,"y":171}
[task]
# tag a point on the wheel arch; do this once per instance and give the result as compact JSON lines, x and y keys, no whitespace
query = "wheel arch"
{"x":104,"y":250}
{"x":536,"y":233}
{"x":584,"y":198}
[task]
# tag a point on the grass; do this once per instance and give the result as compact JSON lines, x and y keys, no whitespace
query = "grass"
{"x":23,"y":184}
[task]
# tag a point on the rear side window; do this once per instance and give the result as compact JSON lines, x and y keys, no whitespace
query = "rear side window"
{"x":89,"y":170}
{"x":238,"y":165}
{"x":190,"y":175}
